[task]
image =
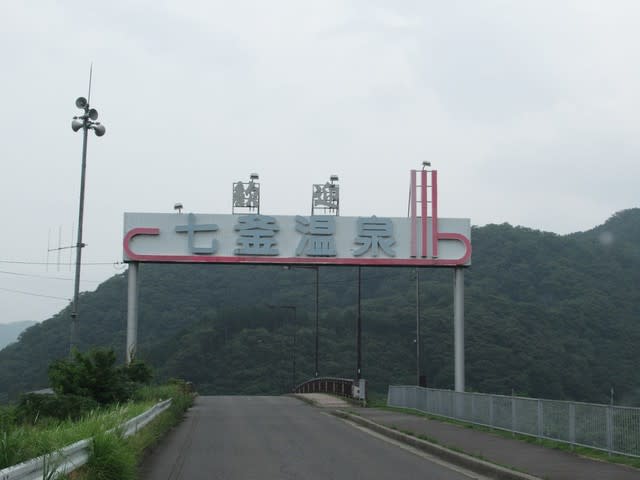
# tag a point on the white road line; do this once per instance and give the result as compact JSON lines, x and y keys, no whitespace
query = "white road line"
{"x":415,"y":451}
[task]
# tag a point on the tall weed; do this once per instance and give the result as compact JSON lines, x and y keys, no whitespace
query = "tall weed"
{"x":111,"y":458}
{"x":23,"y":442}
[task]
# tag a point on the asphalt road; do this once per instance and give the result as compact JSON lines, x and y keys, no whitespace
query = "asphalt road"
{"x":280,"y":438}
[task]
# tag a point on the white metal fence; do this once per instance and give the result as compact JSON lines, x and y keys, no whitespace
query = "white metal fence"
{"x":610,"y":428}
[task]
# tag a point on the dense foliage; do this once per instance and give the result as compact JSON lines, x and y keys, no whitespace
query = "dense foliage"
{"x":546,"y":315}
{"x":41,"y":435}
{"x":25,"y":436}
{"x":95,"y":375}
{"x":33,"y":407}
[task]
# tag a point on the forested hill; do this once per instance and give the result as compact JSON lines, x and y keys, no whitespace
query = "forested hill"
{"x":546,"y":315}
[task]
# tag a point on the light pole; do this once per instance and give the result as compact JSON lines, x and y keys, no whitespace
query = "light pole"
{"x":295,"y":323}
{"x":317,"y":269}
{"x":86,"y":122}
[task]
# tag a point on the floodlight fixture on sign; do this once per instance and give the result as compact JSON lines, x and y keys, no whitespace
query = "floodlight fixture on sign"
{"x":178,"y":207}
{"x":325,"y":198}
{"x":426,"y":164}
{"x":246,"y":195}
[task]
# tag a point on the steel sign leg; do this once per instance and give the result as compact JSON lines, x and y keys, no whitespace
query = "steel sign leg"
{"x":359,"y":329}
{"x":417,"y":326}
{"x":132,"y":313}
{"x":317,"y":372}
{"x":458,"y":327}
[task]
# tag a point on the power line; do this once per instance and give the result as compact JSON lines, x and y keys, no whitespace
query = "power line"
{"x":20,"y":262}
{"x":325,"y":282}
{"x":33,"y":294}
{"x":344,"y":281}
{"x":47,"y":277}
{"x":22,"y":292}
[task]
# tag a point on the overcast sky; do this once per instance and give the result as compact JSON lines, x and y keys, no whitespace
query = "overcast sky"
{"x":530,"y":111}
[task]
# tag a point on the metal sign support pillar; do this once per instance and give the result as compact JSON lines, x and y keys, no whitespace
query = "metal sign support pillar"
{"x":458,"y":327}
{"x":417,"y":326}
{"x":132,"y":313}
{"x":359,"y":329}
{"x":317,"y":268}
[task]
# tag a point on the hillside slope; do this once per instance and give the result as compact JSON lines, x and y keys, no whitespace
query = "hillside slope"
{"x":9,"y":332}
{"x":546,"y":315}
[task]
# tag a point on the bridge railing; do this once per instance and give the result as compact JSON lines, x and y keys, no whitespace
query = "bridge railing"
{"x":604,"y":427}
{"x":332,"y":385}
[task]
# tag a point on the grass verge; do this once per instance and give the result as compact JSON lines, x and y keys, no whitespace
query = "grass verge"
{"x":23,"y":442}
{"x":116,"y":458}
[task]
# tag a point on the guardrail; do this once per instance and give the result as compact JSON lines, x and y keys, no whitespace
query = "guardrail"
{"x":604,"y":427}
{"x":336,"y":386}
{"x":73,"y":456}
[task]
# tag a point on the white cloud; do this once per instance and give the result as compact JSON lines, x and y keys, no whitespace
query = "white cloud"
{"x":528,"y":110}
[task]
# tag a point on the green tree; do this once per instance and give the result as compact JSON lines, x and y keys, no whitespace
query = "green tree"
{"x":139,"y":372}
{"x":93,"y":374}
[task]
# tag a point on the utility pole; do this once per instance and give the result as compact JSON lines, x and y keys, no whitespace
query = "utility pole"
{"x":86,"y":122}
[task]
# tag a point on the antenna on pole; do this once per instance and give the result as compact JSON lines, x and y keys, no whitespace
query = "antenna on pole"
{"x":90,"y":75}
{"x":48,"y":248}
{"x":59,"y":248}
{"x":71,"y":243}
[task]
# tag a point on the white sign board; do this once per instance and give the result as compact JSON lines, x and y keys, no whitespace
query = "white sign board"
{"x":318,"y":239}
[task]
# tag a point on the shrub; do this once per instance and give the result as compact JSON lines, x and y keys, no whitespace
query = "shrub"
{"x":95,"y":374}
{"x":183,"y":385}
{"x":33,"y":406}
{"x":139,"y":372}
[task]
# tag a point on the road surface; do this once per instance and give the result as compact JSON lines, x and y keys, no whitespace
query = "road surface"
{"x":281,"y":438}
